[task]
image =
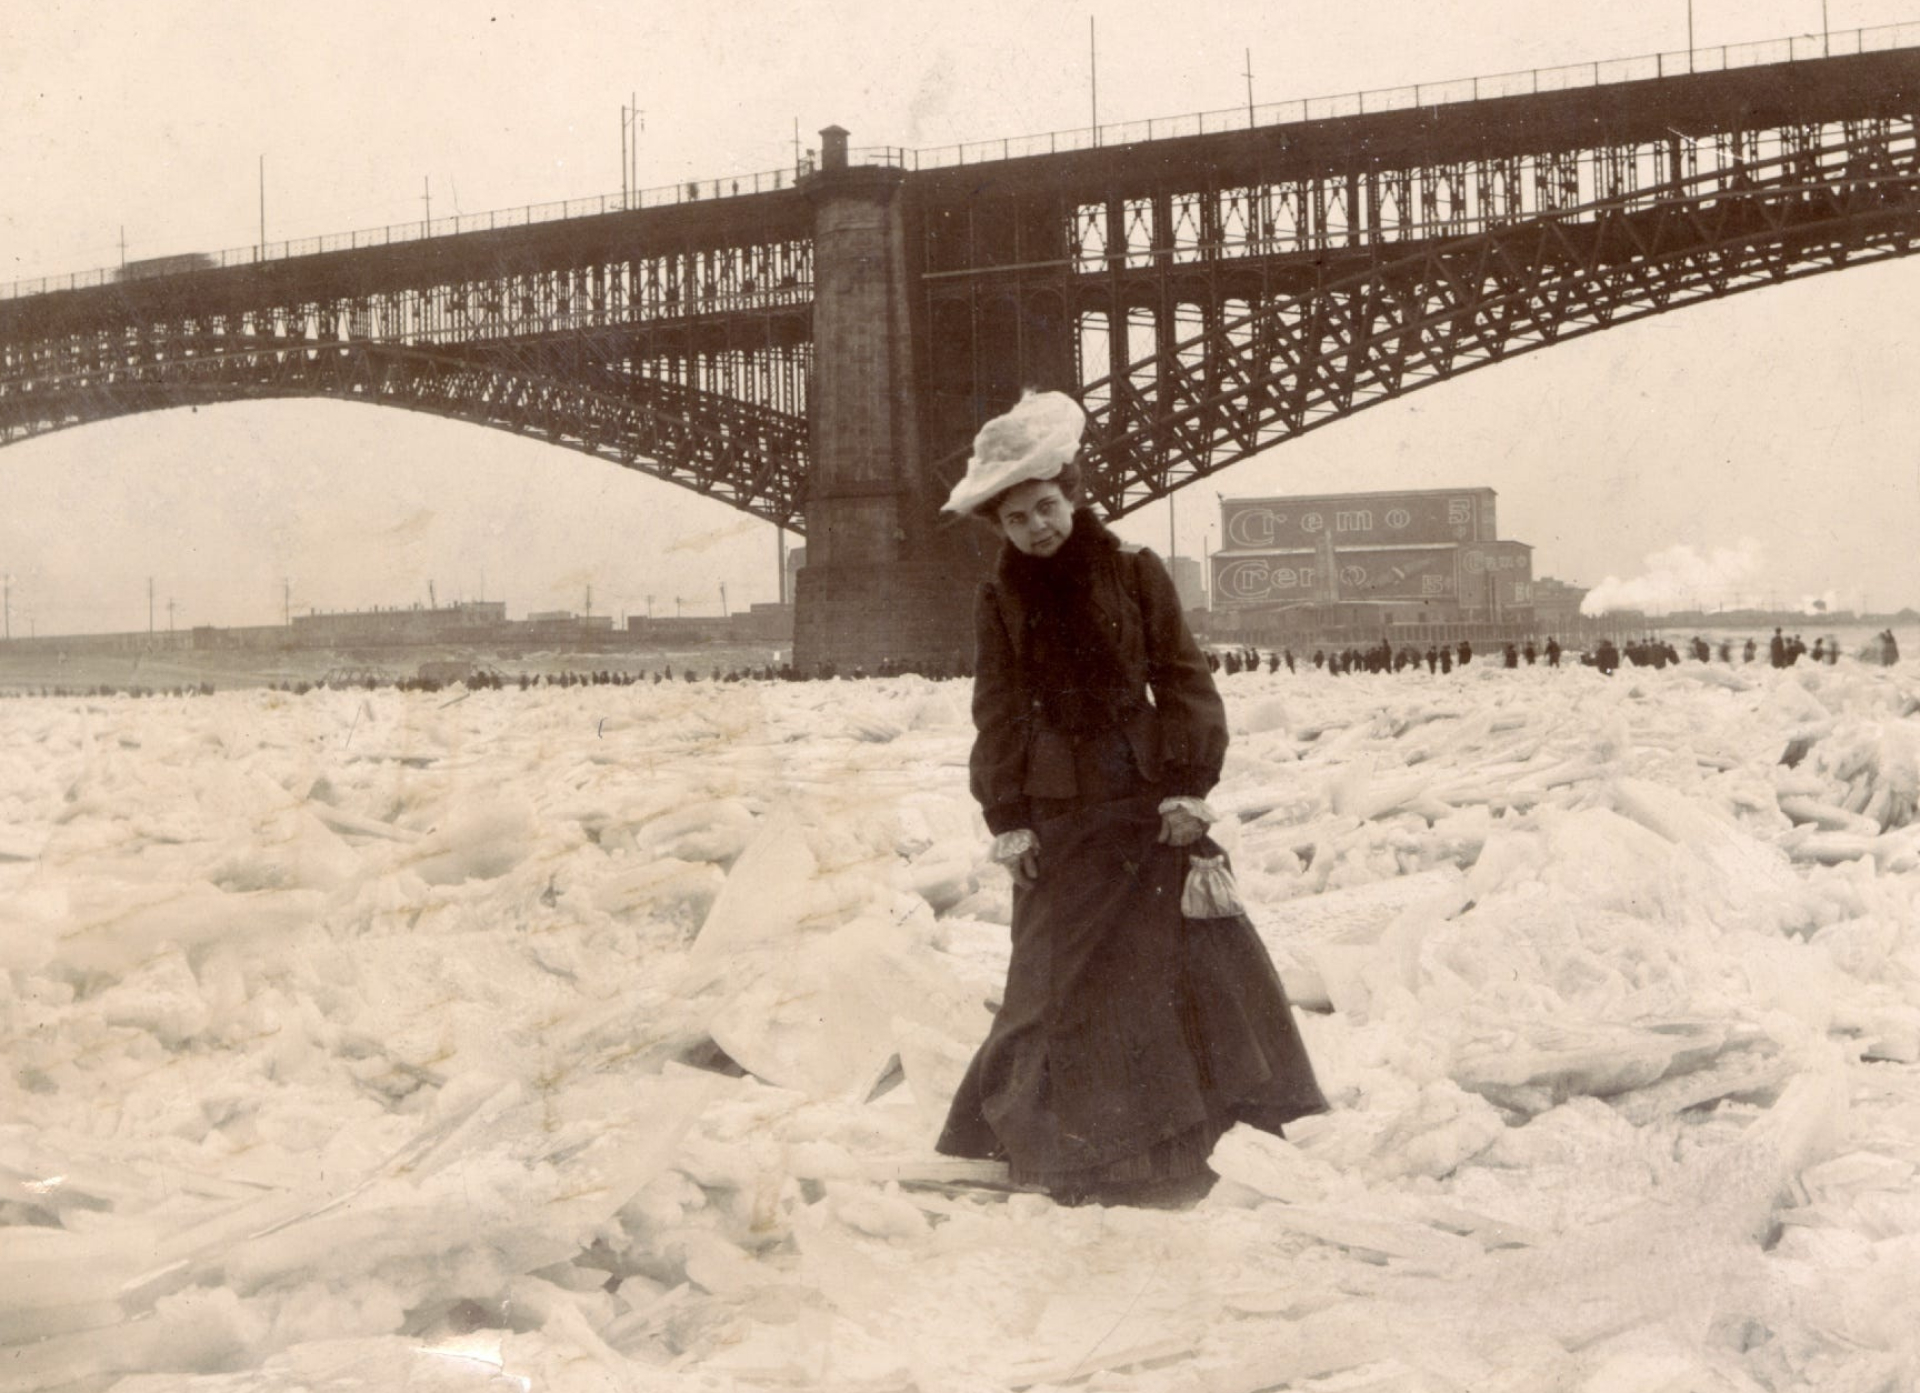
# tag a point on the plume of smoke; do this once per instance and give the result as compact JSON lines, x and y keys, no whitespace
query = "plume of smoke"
{"x":1832,"y":602}
{"x":1680,"y":578}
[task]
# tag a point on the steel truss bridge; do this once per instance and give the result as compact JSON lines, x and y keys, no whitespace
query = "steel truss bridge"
{"x":818,"y":353}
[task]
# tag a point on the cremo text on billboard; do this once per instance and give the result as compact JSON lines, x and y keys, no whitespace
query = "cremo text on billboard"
{"x":1365,"y":573}
{"x":1424,"y":516}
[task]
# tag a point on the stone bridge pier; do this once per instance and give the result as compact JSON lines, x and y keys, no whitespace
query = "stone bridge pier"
{"x":886,"y":576}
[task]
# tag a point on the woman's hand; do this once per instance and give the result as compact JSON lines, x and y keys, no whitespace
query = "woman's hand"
{"x":1184,"y":821}
{"x":1178,"y":827}
{"x":1019,"y":852}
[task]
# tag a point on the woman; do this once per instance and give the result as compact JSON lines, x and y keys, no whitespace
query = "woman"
{"x":1131,"y":1036}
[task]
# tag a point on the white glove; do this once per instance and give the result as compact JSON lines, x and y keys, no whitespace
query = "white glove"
{"x":1019,"y":852}
{"x":1184,"y":821}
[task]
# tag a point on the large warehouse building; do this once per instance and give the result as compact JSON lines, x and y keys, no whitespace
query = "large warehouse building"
{"x":1415,"y":565}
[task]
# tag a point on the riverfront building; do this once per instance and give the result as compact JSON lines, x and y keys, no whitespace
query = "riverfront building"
{"x":1410,"y":566}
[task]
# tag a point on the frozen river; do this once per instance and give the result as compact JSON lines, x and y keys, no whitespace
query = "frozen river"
{"x":595,"y":1038}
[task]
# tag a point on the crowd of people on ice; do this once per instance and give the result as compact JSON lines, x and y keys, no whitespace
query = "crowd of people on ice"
{"x":1782,"y":651}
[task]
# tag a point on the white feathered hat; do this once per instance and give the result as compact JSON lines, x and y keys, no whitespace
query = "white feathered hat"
{"x":1032,"y":441}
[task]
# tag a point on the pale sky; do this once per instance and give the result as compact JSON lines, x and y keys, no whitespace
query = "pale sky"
{"x":1776,"y":428}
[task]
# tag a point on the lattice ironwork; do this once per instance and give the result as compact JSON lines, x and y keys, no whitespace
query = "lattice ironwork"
{"x":749,"y":456}
{"x":1198,"y":389}
{"x":1208,"y":299}
{"x":690,"y":363}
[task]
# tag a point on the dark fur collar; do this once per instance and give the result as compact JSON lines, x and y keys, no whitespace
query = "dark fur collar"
{"x":1036,"y":577}
{"x":1068,"y":643}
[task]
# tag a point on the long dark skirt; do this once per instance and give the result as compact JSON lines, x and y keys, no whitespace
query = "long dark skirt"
{"x":1130,"y":1038}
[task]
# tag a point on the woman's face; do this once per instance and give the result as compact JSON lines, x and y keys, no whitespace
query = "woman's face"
{"x":1035,"y":517}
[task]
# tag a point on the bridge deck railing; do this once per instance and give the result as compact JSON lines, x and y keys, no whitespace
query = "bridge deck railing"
{"x":663,"y":196}
{"x":1524,"y":82}
{"x":1796,"y":48}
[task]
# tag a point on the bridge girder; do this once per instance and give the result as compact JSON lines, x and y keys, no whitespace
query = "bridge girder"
{"x":749,"y":457}
{"x":1250,"y":286}
{"x":1302,"y":359}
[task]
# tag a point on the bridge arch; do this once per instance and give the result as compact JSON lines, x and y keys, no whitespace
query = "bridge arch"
{"x":1298,"y":362}
{"x":750,"y":457}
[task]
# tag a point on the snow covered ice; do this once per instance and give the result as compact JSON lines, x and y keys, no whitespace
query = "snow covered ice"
{"x":596,"y":1037}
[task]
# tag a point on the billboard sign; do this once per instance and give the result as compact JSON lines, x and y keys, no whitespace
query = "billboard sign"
{"x":1427,"y":517}
{"x":1365,"y":573}
{"x":1496,"y":575}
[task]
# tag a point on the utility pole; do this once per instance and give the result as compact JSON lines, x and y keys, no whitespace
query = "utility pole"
{"x":1248,"y":74}
{"x":426,"y":199}
{"x":589,"y":609}
{"x":649,"y":606}
{"x":797,"y":169}
{"x":1826,"y":37}
{"x":1689,"y":35}
{"x":123,"y":246}
{"x":723,"y":600}
{"x":676,"y":606}
{"x":170,"y":608}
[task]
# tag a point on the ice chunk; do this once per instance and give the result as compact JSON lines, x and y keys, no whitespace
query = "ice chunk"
{"x":480,"y":842}
{"x":678,"y":892}
{"x":1270,"y":714}
{"x":765,"y":895}
{"x":943,"y":880}
{"x":114,"y":927}
{"x":821,"y":1018}
{"x":1272,"y":1166}
{"x":717,"y":830}
{"x":1565,"y":1058}
{"x":934,"y":1065}
{"x":291,"y":850}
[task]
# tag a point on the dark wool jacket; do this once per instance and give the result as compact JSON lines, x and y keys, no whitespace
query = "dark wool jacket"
{"x":1178,"y":738}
